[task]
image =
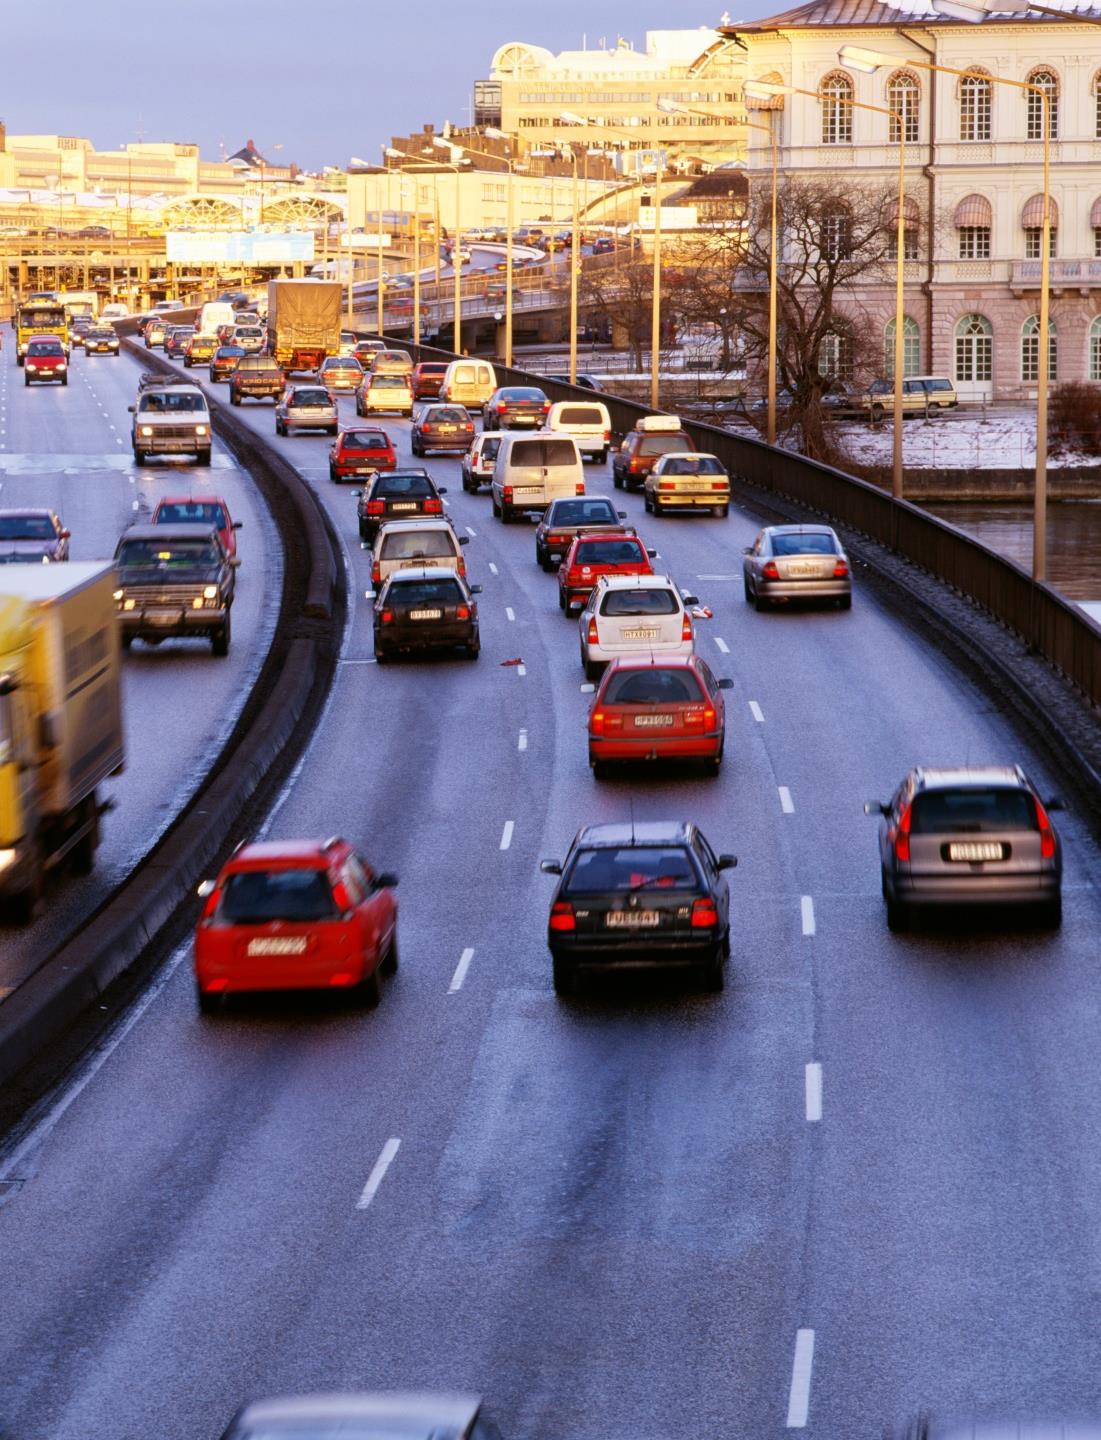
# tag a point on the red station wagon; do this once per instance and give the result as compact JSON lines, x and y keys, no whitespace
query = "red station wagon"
{"x":199,"y":510}
{"x":360,"y":452}
{"x":602,"y":554}
{"x":665,"y":707}
{"x":295,"y":915}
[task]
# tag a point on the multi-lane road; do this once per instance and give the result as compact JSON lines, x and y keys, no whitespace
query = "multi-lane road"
{"x":861,"y":1180}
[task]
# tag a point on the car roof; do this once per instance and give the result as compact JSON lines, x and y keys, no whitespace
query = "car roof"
{"x":800,"y":530}
{"x":638,"y":832}
{"x":417,"y":1416}
{"x":632,"y":582}
{"x":687,"y":455}
{"x":27,"y":512}
{"x":654,"y":662}
{"x":967,"y":777}
{"x":190,"y":500}
{"x":423,"y":572}
{"x":182,"y":530}
{"x":316,"y":853}
{"x":418,"y":523}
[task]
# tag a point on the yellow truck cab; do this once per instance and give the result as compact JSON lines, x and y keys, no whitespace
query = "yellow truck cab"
{"x":40,"y":317}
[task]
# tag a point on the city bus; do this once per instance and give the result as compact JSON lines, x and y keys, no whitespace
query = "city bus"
{"x":40,"y":317}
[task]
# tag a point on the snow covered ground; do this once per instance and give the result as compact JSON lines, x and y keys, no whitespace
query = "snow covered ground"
{"x":957,"y":442}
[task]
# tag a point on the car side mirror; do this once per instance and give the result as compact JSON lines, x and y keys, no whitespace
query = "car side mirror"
{"x":205,"y":889}
{"x":726,"y":683}
{"x":622,"y":514}
{"x":653,"y":554}
{"x":368,"y":594}
{"x":551,"y":867}
{"x":238,"y":524}
{"x":690,"y":599}
{"x":875,"y":807}
{"x":441,"y":489}
{"x":475,"y":589}
{"x":464,"y":539}
{"x":235,"y":562}
{"x":130,"y":409}
{"x":748,"y":550}
{"x":588,"y":689}
{"x":728,"y":862}
{"x":356,"y":494}
{"x":386,"y":880}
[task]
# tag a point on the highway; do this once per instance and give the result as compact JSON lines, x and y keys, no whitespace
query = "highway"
{"x":861,"y":1180}
{"x":68,"y":448}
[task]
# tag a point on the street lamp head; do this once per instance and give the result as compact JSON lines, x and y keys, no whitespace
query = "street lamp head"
{"x":494,"y":134}
{"x":856,"y":57}
{"x":391,"y":153}
{"x":570,"y":117}
{"x":766,"y":89}
{"x":669,"y":106}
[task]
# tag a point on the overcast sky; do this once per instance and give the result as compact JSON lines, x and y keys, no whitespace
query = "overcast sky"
{"x":326,"y":79}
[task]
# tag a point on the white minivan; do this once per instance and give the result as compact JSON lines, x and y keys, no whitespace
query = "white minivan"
{"x":213,"y":314}
{"x":468,"y":382}
{"x":532,"y":470}
{"x":587,"y":421}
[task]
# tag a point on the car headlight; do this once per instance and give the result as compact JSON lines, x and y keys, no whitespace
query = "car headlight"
{"x":7,"y":858}
{"x":30,"y":366}
{"x":210,"y":592}
{"x":200,"y":429}
{"x":128,"y":604}
{"x":62,"y":365}
{"x":119,"y":594}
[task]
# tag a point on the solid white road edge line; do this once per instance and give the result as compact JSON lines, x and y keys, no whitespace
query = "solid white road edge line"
{"x":806,"y":908}
{"x":757,"y":713}
{"x":506,"y":834}
{"x":460,"y":971}
{"x":378,"y":1174}
{"x":814,"y":1090}
{"x":786,"y":803}
{"x":472,"y":533}
{"x":799,"y":1394}
{"x":521,"y":669}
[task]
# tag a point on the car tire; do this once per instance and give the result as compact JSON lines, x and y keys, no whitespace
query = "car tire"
{"x":369,"y":990}
{"x":207,"y":1003}
{"x":389,"y":964}
{"x":898,"y":916}
{"x":126,"y":641}
{"x":279,"y":427}
{"x":564,"y":978}
{"x":617,"y":480}
{"x":760,"y":604}
{"x":845,"y":602}
{"x":647,"y":502}
{"x":219,"y":643}
{"x":714,"y":972}
{"x":65,"y":381}
{"x":719,"y":512}
{"x":333,"y":478}
{"x":203,"y":458}
{"x":562,"y":600}
{"x":333,"y":430}
{"x":496,"y":507}
{"x":600,"y":768}
{"x":473,"y":651}
{"x":747,"y":590}
{"x":1051,"y":913}
{"x":593,"y":669}
{"x":234,"y":399}
{"x":26,"y":381}
{"x":139,"y":459}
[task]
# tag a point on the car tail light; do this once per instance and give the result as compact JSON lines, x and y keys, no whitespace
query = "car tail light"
{"x":693,"y":717}
{"x":686,"y":626}
{"x":215,"y":987}
{"x":718,"y":484}
{"x":507,"y":494}
{"x":556,"y":539}
{"x":562,"y":916}
{"x":376,"y":507}
{"x":501,"y":407}
{"x":634,"y":466}
{"x":342,"y":978}
{"x":211,"y":904}
{"x":902,"y":837}
{"x":596,"y":722}
{"x":579,"y":488}
{"x":433,"y":507}
{"x":574,"y":575}
{"x":607,"y":435}
{"x":840,"y":570}
{"x":386,"y":618}
{"x":1047,"y":834}
{"x":667,"y":484}
{"x":769,"y":571}
{"x":462,"y":612}
{"x":546,"y":406}
{"x":376,"y":574}
{"x":705,"y":915}
{"x":594,"y":634}
{"x":462,"y":566}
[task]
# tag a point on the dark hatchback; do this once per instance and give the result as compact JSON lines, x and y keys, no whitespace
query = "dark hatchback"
{"x":564,"y":520}
{"x":101,"y":340}
{"x":441,"y":427}
{"x":224,"y":361}
{"x":399,"y":495}
{"x":426,"y":609}
{"x":648,"y":895}
{"x":515,"y":405}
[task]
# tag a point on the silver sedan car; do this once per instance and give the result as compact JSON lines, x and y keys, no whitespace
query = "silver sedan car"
{"x":306,"y":407}
{"x":969,"y":837}
{"x":364,"y":1417}
{"x":797,"y":562}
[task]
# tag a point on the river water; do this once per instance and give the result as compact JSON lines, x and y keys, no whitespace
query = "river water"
{"x":1073,"y":539}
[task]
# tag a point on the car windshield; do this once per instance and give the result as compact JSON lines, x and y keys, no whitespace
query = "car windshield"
{"x":448,"y":417}
{"x":249,"y":332}
{"x":705,"y":465}
{"x":166,"y":555}
{"x":652,"y":687}
{"x":631,"y":867}
{"x":583,"y":512}
{"x":254,"y":897}
{"x":817,"y":543}
{"x":639,"y":602}
{"x":425,"y":592}
{"x":403,"y":485}
{"x":36,"y":351}
{"x":936,"y":812}
{"x":163,"y":402}
{"x":366,"y":440}
{"x":101,"y":332}
{"x":26,"y":527}
{"x":311,"y":397}
{"x":609,"y":552}
{"x":416,"y":544}
{"x":198,"y":512}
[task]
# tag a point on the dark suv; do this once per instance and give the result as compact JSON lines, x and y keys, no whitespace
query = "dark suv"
{"x":969,"y":837}
{"x":256,"y":377}
{"x":642,"y":449}
{"x":398,"y":495}
{"x":174,"y":580}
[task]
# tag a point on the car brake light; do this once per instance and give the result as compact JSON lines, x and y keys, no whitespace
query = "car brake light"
{"x":840,"y":570}
{"x":718,"y":484}
{"x":342,"y":978}
{"x":634,"y":465}
{"x":507,"y":492}
{"x":667,"y":484}
{"x":1047,"y":834}
{"x":462,"y":612}
{"x":211,"y":904}
{"x":556,"y":539}
{"x":607,"y":434}
{"x":693,"y":717}
{"x":594,"y":635}
{"x":596,"y":722}
{"x":705,"y":916}
{"x":546,"y":406}
{"x":433,"y":507}
{"x":574,"y":574}
{"x":562,"y":916}
{"x":376,"y":574}
{"x":902,"y":837}
{"x":376,"y":507}
{"x":387,"y":617}
{"x":769,"y":571}
{"x":579,"y":488}
{"x":686,"y":627}
{"x":462,"y":566}
{"x":501,"y":407}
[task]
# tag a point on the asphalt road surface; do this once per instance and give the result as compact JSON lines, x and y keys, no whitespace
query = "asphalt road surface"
{"x":634,"y":1216}
{"x":68,"y":449}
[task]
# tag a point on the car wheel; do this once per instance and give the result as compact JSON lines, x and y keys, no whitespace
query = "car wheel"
{"x":898,"y":916}
{"x":845,"y":602}
{"x":209,"y":1004}
{"x":369,"y":990}
{"x":600,"y":768}
{"x":562,"y":600}
{"x":748,"y":592}
{"x":593,"y":669}
{"x":714,"y":972}
{"x":760,"y":603}
{"x":564,"y":977}
{"x":65,"y":381}
{"x":719,"y":512}
{"x":333,"y":430}
{"x":390,"y":962}
{"x":647,"y":502}
{"x":473,"y":651}
{"x":1051,"y":913}
{"x":617,"y":480}
{"x":234,"y":399}
{"x":203,"y":457}
{"x":279,"y":427}
{"x":139,"y":458}
{"x":219,"y":643}
{"x":26,"y":381}
{"x":126,"y":641}
{"x":333,"y":475}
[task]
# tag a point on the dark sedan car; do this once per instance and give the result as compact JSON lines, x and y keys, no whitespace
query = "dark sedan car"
{"x":364,"y":1417}
{"x":399,"y":495}
{"x":101,"y":340}
{"x":637,"y":896}
{"x":441,"y":427}
{"x":515,"y":406}
{"x":428,"y":608}
{"x":564,"y":520}
{"x":224,"y":361}
{"x":37,"y":536}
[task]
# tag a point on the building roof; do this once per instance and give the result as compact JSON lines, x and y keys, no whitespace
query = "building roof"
{"x":718,"y":184}
{"x":864,"y":13}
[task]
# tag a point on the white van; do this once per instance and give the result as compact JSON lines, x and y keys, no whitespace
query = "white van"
{"x":213,"y":314}
{"x":469,"y":383}
{"x":532,"y":470}
{"x":410,"y":544}
{"x":587,"y":421}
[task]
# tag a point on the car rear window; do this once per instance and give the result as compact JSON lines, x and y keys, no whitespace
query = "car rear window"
{"x":422,"y":592}
{"x":816,"y":544}
{"x":652,"y":687}
{"x":657,"y":868}
{"x":417,"y":544}
{"x":389,"y":382}
{"x":522,"y":392}
{"x":311,"y":397}
{"x":663,"y":444}
{"x":255,"y":897}
{"x":647,"y":601}
{"x":447,"y":416}
{"x":198,"y":513}
{"x":403,"y":485}
{"x":705,"y":466}
{"x":580,"y":415}
{"x":583,"y":512}
{"x":609,"y":552}
{"x":937,"y":812}
{"x":543,"y":452}
{"x":366,"y":440}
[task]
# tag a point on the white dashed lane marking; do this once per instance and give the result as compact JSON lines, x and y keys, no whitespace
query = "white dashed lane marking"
{"x":378,"y":1174}
{"x":757,"y":713}
{"x":787,"y":805}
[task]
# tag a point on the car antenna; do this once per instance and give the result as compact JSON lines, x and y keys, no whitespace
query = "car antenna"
{"x":631,"y":802}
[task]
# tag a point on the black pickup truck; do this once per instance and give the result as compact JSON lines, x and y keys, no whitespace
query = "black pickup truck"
{"x":174,"y":580}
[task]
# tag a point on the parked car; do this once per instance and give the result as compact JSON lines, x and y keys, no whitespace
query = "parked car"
{"x":797,"y":562}
{"x":441,"y":427}
{"x":360,"y":451}
{"x":921,"y":394}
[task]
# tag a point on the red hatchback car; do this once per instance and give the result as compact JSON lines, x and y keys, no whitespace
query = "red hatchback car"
{"x":295,"y":915}
{"x":45,"y":360}
{"x":360,"y":452}
{"x":602,"y":554}
{"x":427,"y":379}
{"x":199,"y":510}
{"x":663,"y":707}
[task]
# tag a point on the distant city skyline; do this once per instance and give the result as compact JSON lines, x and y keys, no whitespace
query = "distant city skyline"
{"x":216,"y":75}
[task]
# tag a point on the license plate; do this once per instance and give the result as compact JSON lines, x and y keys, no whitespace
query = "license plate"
{"x":162,"y":617}
{"x":278,"y":945}
{"x":647,"y":633}
{"x":651,"y":722}
{"x":632,"y":919}
{"x":976,"y":850}
{"x":527,"y":490}
{"x":425,"y":614}
{"x":446,"y":429}
{"x":404,"y":505}
{"x":802,"y":569}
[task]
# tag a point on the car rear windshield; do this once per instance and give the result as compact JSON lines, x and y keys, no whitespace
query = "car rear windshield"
{"x":631,"y":867}
{"x":583,"y":512}
{"x":366,"y":440}
{"x":311,"y":397}
{"x":652,"y":687}
{"x":663,"y":444}
{"x":251,"y":363}
{"x":521,"y":392}
{"x":937,"y":812}
{"x":26,"y":527}
{"x":199,"y":512}
{"x":345,"y":362}
{"x":165,"y":402}
{"x":255,"y":897}
{"x":639,"y":602}
{"x":228,"y":352}
{"x":389,"y":382}
{"x":417,"y":544}
{"x":432,"y":369}
{"x":704,"y":466}
{"x":425,"y":592}
{"x":815,"y":544}
{"x":404,"y":485}
{"x":249,"y":332}
{"x":580,"y":415}
{"x":543,"y":452}
{"x":166,"y":555}
{"x":608,"y":552}
{"x":447,"y":416}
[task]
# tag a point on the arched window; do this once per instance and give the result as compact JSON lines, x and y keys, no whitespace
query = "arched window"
{"x":911,"y":347}
{"x":1095,"y":348}
{"x":974,"y":219}
{"x":974,"y":349}
{"x":835,"y":356}
{"x":1032,"y":223}
{"x":1047,"y":81}
{"x":836,"y":92}
{"x":975,"y":93}
{"x":1030,"y":349}
{"x":904,"y":101}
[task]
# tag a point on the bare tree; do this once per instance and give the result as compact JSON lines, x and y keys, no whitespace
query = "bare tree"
{"x":704,"y":291}
{"x":623,"y":296}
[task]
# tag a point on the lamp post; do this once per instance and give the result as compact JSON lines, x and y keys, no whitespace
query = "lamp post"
{"x":494,"y":134}
{"x":456,"y":264}
{"x":435,"y":166}
{"x":857,"y":57}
